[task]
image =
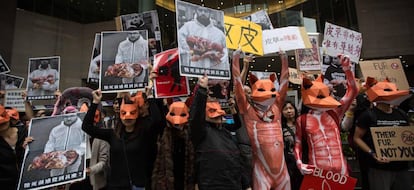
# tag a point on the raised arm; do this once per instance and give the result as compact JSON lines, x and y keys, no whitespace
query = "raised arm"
{"x":284,"y":79}
{"x":241,"y":99}
{"x":352,"y":89}
{"x":88,"y":125}
{"x":197,"y":118}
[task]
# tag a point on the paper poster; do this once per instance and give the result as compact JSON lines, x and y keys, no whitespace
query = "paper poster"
{"x":309,"y":59}
{"x":95,"y":64}
{"x":13,"y":98}
{"x":294,"y":76}
{"x":327,"y":180}
{"x":339,"y":40}
{"x":395,"y":143}
{"x":261,"y":18}
{"x":286,"y":38}
{"x":143,"y":21}
{"x":385,"y":68}
{"x":57,"y":156}
{"x":169,"y":83}
{"x":4,"y":68}
{"x":43,"y":78}
{"x":201,"y":41}
{"x":243,"y":34}
{"x":9,"y":82}
{"x":125,"y":61}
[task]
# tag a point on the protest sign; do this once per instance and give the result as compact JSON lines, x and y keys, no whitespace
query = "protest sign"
{"x":395,"y":143}
{"x":286,"y":38}
{"x":13,"y":98}
{"x":385,"y":68}
{"x":243,"y":34}
{"x":321,"y":179}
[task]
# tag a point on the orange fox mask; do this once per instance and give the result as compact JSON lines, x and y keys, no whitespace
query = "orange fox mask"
{"x":263,"y":90}
{"x":385,"y":91}
{"x":213,"y":110}
{"x":4,"y":117}
{"x":178,"y":114}
{"x":13,"y":113}
{"x":129,"y":108}
{"x":316,"y":95}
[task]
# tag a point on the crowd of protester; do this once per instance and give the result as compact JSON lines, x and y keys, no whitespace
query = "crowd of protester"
{"x":150,"y":143}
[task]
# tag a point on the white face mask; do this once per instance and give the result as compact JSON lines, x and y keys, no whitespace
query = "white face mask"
{"x":267,"y":102}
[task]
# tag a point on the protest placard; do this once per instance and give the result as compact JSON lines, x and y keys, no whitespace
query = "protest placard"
{"x":243,"y":34}
{"x":395,"y":143}
{"x":286,"y":38}
{"x":321,"y":179}
{"x":385,"y":68}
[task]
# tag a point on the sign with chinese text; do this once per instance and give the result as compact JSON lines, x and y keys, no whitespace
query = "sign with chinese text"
{"x":395,"y":143}
{"x":13,"y":98}
{"x":244,"y":34}
{"x":385,"y":68}
{"x":321,"y":180}
{"x":286,"y":38}
{"x":340,"y":40}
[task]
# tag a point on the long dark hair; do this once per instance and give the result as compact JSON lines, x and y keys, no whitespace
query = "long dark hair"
{"x":284,"y":120}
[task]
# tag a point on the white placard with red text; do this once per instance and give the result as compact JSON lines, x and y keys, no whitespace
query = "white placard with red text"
{"x":340,"y":40}
{"x":286,"y":38}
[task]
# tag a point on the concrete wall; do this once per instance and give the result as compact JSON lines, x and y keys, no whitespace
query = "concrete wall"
{"x":387,"y":27}
{"x":37,"y":35}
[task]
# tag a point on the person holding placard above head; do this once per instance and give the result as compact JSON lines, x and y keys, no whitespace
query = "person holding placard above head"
{"x":383,"y":174}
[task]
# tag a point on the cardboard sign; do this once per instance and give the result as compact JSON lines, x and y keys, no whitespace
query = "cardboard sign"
{"x":395,"y":143}
{"x":13,"y":98}
{"x":340,"y":40}
{"x":286,"y":38}
{"x":321,"y":180}
{"x":244,"y":34}
{"x":383,"y":68}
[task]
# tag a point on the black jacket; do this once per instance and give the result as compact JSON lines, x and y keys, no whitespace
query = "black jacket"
{"x":140,"y":150}
{"x":218,"y":160}
{"x":11,"y":160}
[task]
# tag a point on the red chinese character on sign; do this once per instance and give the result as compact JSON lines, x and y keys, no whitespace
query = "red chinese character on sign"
{"x":346,"y":34}
{"x":357,"y":50}
{"x":343,"y":46}
{"x":327,"y":43}
{"x":350,"y":48}
{"x":337,"y":32}
{"x":352,"y":36}
{"x":335,"y":45}
{"x":294,"y":37}
{"x":329,"y":31}
{"x":358,"y":38}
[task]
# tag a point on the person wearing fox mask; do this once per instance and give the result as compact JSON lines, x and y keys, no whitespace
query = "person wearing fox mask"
{"x":383,"y":174}
{"x":173,"y":167}
{"x":130,"y":141}
{"x":318,"y":126}
{"x":217,"y":161}
{"x":262,"y":118}
{"x":11,"y":150}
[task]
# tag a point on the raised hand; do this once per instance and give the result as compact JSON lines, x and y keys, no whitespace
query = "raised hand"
{"x":97,"y":96}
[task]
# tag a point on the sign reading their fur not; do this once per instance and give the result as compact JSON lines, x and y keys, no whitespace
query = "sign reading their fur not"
{"x":395,"y":143}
